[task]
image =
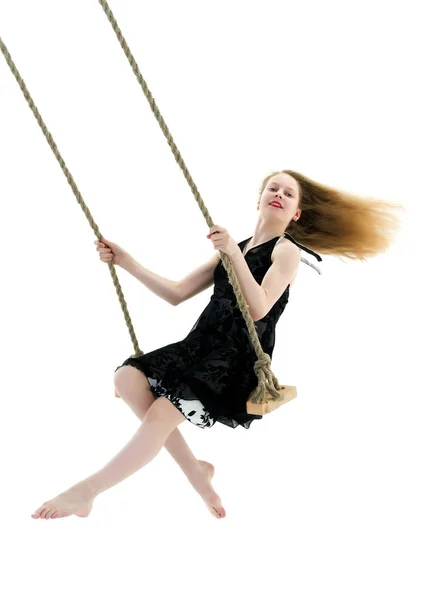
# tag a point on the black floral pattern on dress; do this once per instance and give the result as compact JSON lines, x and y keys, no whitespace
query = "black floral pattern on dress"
{"x":209,"y":374}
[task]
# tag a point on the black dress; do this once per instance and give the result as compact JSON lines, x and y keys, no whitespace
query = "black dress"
{"x":209,"y":375}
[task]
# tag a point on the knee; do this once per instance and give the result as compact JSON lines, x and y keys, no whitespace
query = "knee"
{"x":122,"y":377}
{"x":128,"y":378}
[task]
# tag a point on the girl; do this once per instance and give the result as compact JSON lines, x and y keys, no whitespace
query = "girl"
{"x":208,"y":376}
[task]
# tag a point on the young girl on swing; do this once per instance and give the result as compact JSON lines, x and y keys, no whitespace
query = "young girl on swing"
{"x":207,"y":376}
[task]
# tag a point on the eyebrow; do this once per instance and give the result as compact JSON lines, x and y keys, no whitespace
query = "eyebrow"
{"x":287,"y":186}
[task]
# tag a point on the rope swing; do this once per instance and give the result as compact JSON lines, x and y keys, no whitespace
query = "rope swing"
{"x":269,"y":394}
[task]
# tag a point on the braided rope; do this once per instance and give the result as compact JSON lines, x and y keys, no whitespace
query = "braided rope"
{"x":74,"y":187}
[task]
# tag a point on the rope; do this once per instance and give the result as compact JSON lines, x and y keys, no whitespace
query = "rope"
{"x":266,"y":378}
{"x":74,"y":187}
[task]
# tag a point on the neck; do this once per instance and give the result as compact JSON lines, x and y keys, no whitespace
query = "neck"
{"x":263,"y":233}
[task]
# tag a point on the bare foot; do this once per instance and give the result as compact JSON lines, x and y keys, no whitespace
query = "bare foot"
{"x":75,"y":501}
{"x":201,"y":481}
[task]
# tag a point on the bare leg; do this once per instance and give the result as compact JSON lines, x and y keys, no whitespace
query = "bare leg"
{"x":79,"y":498}
{"x":134,"y":388}
{"x":161,"y":419}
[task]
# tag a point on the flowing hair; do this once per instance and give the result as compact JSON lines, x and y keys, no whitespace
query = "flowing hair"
{"x":338,"y":222}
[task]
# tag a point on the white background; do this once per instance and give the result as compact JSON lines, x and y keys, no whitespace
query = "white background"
{"x":325,"y":497}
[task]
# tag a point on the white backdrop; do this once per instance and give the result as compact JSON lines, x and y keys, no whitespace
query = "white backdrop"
{"x":324,"y":497}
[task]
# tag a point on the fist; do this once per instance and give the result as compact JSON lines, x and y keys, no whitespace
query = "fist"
{"x":223,"y":241}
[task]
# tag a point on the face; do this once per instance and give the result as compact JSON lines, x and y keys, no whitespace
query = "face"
{"x":282,"y":188}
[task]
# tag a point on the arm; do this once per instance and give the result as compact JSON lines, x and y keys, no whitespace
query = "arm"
{"x":175,"y":292}
{"x":198,"y":280}
{"x":261,"y":298}
{"x":162,"y":287}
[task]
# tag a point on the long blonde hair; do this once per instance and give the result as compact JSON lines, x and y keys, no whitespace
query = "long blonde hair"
{"x":338,"y":222}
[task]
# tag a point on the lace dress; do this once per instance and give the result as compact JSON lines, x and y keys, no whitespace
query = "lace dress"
{"x":209,"y":374}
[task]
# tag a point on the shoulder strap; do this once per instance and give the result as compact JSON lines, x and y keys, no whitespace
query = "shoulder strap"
{"x":317,"y":256}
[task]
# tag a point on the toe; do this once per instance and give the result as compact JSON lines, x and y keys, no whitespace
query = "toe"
{"x":217,"y":512}
{"x":38,"y":511}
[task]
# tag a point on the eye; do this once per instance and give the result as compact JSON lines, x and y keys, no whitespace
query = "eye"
{"x":289,"y":193}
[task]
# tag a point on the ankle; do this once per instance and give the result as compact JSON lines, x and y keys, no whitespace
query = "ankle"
{"x":194,"y":471}
{"x":90,"y":488}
